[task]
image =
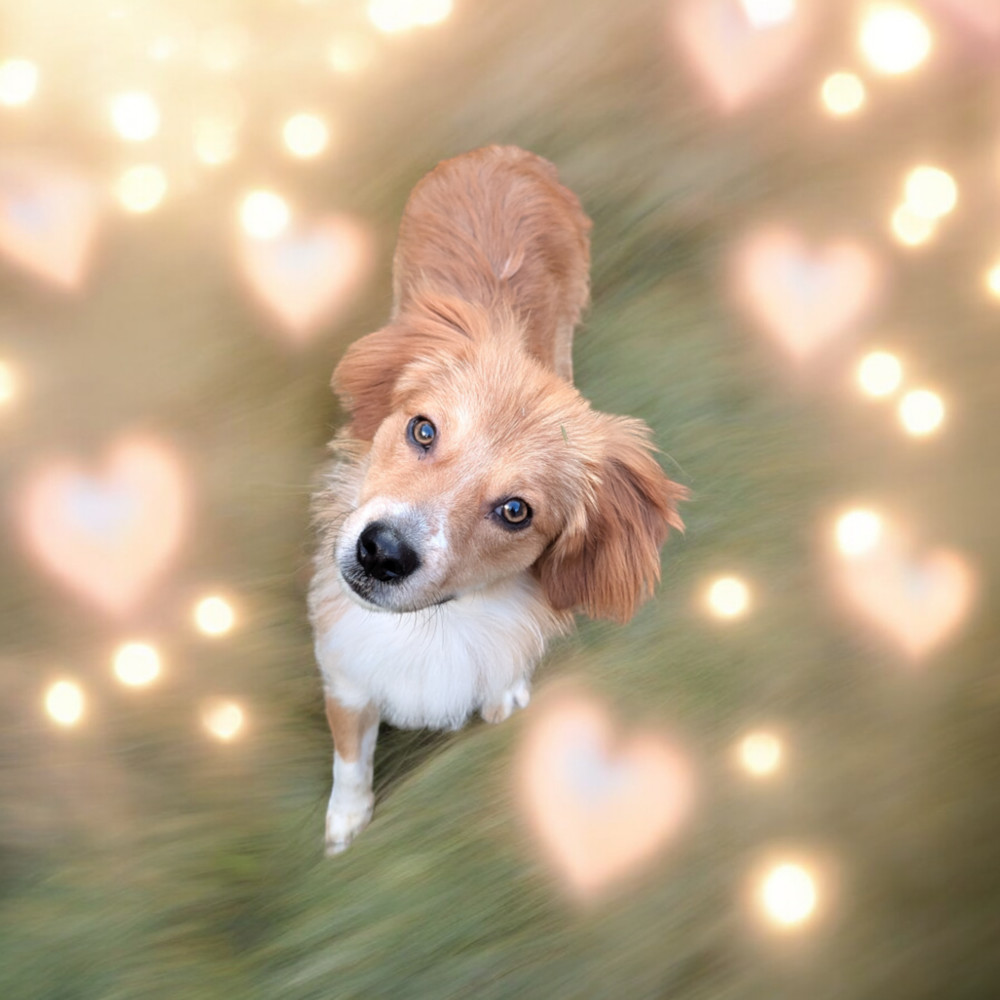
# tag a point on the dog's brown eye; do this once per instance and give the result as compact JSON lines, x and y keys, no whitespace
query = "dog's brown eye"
{"x":514,"y":511}
{"x":422,"y":432}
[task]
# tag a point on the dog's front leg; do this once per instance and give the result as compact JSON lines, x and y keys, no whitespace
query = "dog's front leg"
{"x":354,"y":732}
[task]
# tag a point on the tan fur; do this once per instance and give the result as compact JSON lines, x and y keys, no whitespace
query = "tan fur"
{"x":490,"y":278}
{"x":464,"y":338}
{"x":346,"y":727}
{"x":520,"y":240}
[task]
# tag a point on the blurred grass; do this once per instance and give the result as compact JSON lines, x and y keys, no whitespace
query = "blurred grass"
{"x":140,"y":861}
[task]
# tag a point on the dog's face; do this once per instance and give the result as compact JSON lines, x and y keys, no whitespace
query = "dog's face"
{"x":484,"y":464}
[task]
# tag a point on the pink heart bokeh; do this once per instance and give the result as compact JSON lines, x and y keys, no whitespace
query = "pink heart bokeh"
{"x":600,"y":807}
{"x":108,"y":537}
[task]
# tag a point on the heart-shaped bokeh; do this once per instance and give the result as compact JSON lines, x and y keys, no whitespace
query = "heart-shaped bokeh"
{"x":599,"y":806}
{"x":306,"y":276}
{"x":918,"y":600}
{"x":737,"y":57}
{"x":108,"y":536}
{"x":803,"y":296}
{"x":48,"y":218}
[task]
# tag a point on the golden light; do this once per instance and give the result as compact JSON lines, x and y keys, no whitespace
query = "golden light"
{"x":264,"y":214}
{"x":391,"y":16}
{"x":788,"y":894}
{"x":766,"y":13}
{"x":135,"y":116}
{"x":350,"y":53}
{"x":64,"y":702}
{"x":162,"y":48}
{"x":843,"y":93}
{"x":930,"y":192}
{"x":921,"y":412}
{"x":911,"y":228}
{"x":18,"y":81}
{"x":428,"y":12}
{"x":140,"y":189}
{"x":214,"y":615}
{"x":223,"y":719}
{"x":224,"y":47}
{"x":858,"y":531}
{"x":728,"y":597}
{"x":214,"y":141}
{"x":136,"y":664}
{"x":894,"y":38}
{"x":880,"y":373}
{"x":305,"y":135}
{"x":8,"y":383}
{"x":760,"y":753}
{"x":993,"y":280}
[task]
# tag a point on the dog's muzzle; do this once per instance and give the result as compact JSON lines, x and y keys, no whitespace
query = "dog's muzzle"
{"x":384,"y":555}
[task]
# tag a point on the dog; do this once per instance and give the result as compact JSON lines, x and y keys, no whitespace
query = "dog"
{"x":475,"y":500}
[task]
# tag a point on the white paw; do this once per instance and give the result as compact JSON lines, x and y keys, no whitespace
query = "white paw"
{"x":346,"y":817}
{"x":512,"y":699}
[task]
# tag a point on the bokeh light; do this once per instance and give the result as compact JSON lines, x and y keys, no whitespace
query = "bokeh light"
{"x":993,"y":280}
{"x":843,"y":93}
{"x":64,"y":703}
{"x":760,"y":753}
{"x":224,"y":47}
{"x":214,"y":615}
{"x":880,"y":373}
{"x":728,"y":597}
{"x":140,"y":189}
{"x":214,"y":140}
{"x":264,"y":215}
{"x":429,"y":12}
{"x":305,"y":135}
{"x":391,"y":16}
{"x":921,"y":412}
{"x":223,"y":719}
{"x":767,"y":13}
{"x":135,"y":116}
{"x":930,"y":192}
{"x":8,"y":383}
{"x":910,"y":228}
{"x":18,"y":81}
{"x":894,"y":38}
{"x":858,"y":531}
{"x":350,"y":53}
{"x":162,"y":48}
{"x":136,"y":664}
{"x":788,"y":894}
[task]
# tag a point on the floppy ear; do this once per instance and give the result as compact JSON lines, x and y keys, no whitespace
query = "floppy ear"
{"x":610,"y":563}
{"x":366,"y":377}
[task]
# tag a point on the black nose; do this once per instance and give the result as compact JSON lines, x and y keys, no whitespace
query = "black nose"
{"x":384,"y":555}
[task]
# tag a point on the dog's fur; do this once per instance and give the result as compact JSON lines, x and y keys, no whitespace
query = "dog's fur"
{"x":490,"y":278}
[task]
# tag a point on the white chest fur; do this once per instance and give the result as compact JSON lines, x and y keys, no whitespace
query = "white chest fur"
{"x":434,"y":667}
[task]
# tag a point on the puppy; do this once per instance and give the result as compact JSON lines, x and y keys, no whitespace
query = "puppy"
{"x":476,"y":500}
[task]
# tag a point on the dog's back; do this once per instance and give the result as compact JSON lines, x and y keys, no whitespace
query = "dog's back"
{"x":495,"y":227}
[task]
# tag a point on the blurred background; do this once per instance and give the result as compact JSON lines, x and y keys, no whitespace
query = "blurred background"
{"x":796,"y":283}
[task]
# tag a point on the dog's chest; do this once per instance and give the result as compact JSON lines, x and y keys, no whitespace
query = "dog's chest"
{"x":435,"y":667}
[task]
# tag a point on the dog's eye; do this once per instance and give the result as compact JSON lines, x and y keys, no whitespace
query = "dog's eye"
{"x":514,"y":512}
{"x":422,"y":432}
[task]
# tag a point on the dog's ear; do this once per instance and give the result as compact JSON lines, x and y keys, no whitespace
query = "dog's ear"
{"x":609,"y":562}
{"x":366,"y":378}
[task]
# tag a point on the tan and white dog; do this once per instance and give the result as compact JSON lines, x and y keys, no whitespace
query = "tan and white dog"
{"x":476,"y":500}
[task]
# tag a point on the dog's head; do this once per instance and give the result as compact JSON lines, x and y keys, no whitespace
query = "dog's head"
{"x":483,"y":464}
